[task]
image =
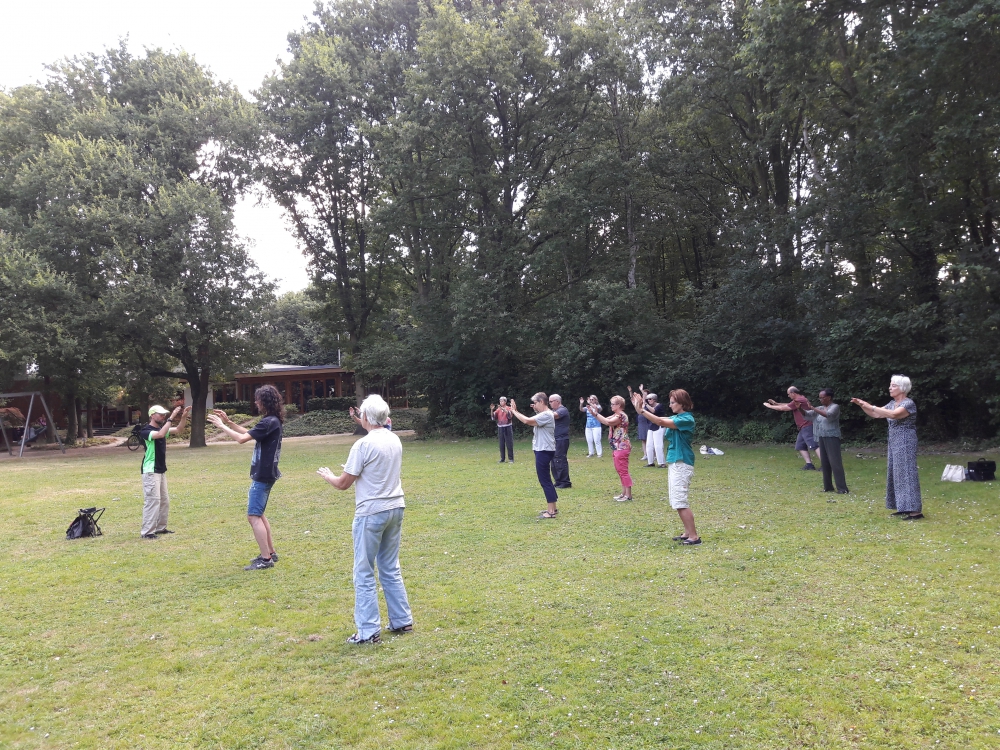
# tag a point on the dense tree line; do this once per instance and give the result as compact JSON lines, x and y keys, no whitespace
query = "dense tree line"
{"x":724,"y":196}
{"x":730,"y":197}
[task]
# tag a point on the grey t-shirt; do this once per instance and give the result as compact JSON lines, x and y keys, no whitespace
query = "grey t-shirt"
{"x":545,"y":436}
{"x":562,"y":423}
{"x":376,"y":461}
{"x":828,"y":426}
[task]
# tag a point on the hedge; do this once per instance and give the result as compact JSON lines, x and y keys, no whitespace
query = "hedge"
{"x":334,"y":403}
{"x":235,"y":407}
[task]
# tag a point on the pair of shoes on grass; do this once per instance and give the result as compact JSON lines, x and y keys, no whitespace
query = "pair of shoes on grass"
{"x":622,"y":498}
{"x":259,"y":563}
{"x":546,"y":514}
{"x":356,"y":640}
{"x":684,"y":540}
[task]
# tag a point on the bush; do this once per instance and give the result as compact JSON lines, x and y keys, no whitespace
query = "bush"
{"x":334,"y":403}
{"x":291,"y":410}
{"x":234,"y":407}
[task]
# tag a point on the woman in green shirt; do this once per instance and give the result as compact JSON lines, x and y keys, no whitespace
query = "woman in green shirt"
{"x":680,"y":456}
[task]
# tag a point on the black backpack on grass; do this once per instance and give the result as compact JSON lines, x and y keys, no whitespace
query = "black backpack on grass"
{"x":85,"y":524}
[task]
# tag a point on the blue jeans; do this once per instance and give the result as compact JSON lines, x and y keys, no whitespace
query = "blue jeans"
{"x":376,"y":541}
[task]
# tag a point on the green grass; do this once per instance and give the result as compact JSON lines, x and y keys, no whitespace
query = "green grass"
{"x":799,"y":623}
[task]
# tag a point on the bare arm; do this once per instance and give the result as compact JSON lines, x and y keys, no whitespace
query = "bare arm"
{"x":229,"y":422}
{"x":183,"y":423}
{"x":877,"y":412}
{"x":530,"y":421}
{"x":772,"y":404}
{"x":611,"y":421}
{"x":240,"y":436}
{"x":341,"y":482}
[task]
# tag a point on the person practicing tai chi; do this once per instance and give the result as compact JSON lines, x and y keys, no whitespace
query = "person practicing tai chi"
{"x":156,"y":501}
{"x":902,"y":480}
{"x":263,"y":465}
{"x":593,"y":428}
{"x":826,"y":430}
{"x":680,"y":456}
{"x":805,"y":440}
{"x":560,"y":461}
{"x":373,"y":467}
{"x":543,"y":443}
{"x":505,"y":429}
{"x":654,"y":434}
{"x":621,"y":447}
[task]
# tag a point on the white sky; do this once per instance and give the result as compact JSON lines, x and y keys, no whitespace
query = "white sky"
{"x":237,"y":41}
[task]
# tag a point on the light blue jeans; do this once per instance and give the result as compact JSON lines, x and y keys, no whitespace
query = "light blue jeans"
{"x":376,"y":541}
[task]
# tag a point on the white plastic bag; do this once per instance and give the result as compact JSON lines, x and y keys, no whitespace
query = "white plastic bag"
{"x":953,"y":473}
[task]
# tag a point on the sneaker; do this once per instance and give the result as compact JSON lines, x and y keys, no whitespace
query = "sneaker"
{"x":164,"y":531}
{"x":501,"y":461}
{"x":355,"y":640}
{"x":148,"y":536}
{"x":274,"y":557}
{"x":622,"y":498}
{"x":259,"y":563}
{"x":809,"y":467}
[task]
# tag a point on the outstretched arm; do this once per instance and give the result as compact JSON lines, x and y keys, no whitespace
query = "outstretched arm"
{"x":341,"y":482}
{"x":239,"y":437}
{"x":530,"y":421}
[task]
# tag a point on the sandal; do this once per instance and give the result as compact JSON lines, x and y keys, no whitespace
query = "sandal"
{"x":913,"y":517}
{"x":403,"y":629}
{"x":679,"y":538}
{"x":691,"y":541}
{"x":546,"y":514}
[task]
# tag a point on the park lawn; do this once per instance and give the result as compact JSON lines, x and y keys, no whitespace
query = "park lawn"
{"x":798,"y":623}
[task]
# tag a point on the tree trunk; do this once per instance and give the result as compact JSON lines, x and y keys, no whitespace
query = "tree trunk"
{"x":198,"y":382}
{"x":633,"y":243}
{"x":359,"y":388}
{"x":90,"y":421}
{"x":69,"y":400}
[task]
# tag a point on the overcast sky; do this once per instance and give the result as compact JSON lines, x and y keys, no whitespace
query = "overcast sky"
{"x":237,"y":41}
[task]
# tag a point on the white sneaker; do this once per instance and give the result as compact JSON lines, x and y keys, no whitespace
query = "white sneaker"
{"x":622,"y":498}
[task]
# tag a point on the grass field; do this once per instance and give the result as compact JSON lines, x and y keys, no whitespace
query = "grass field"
{"x":799,"y":623}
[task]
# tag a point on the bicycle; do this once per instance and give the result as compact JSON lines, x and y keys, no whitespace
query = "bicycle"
{"x":134,"y":442}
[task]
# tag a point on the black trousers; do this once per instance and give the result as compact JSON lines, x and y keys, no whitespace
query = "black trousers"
{"x":833,"y":464}
{"x":505,"y":436}
{"x":560,"y":464}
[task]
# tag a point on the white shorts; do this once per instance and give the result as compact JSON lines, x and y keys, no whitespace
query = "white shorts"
{"x":679,"y":478}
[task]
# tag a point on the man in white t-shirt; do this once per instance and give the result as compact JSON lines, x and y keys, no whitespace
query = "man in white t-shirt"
{"x":544,"y":445}
{"x":373,"y":467}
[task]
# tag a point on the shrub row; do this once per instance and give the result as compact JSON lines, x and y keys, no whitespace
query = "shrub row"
{"x":333,"y":403}
{"x":234,"y":407}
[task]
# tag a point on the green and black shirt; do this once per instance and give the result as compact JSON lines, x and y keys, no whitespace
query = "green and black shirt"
{"x":154,"y":460}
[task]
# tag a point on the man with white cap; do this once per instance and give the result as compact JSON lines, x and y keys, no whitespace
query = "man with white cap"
{"x":156,"y":504}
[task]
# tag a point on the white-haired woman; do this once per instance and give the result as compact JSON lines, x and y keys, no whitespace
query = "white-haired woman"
{"x":373,"y":467}
{"x":902,"y":483}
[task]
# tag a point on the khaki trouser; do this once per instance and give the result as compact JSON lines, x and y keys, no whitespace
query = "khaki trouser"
{"x":157,"y":503}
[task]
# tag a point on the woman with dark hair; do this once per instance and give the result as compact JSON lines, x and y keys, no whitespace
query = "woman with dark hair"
{"x":263,"y":465}
{"x":902,"y":481}
{"x":680,"y":456}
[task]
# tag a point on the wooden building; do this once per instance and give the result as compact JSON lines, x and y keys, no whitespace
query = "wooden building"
{"x":299,"y":384}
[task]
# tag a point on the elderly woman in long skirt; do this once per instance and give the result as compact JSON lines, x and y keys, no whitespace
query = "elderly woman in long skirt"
{"x":902,"y":483}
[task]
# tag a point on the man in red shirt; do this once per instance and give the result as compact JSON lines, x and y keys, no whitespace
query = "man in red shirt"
{"x":505,"y":428}
{"x":805,"y":441}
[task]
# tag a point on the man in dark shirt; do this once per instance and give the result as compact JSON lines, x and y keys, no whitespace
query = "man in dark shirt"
{"x":560,"y":464}
{"x":263,"y":465}
{"x":156,"y":501}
